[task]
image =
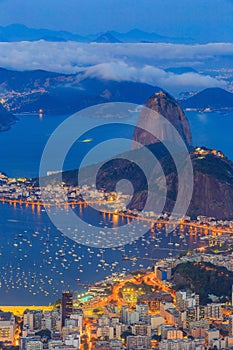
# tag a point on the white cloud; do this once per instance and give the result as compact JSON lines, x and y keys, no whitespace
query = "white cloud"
{"x":136,"y":62}
{"x":152,"y":75}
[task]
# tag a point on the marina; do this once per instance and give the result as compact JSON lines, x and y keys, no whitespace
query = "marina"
{"x":39,"y":260}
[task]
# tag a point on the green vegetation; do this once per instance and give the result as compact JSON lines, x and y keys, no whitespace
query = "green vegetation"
{"x":204,"y":279}
{"x":44,"y":333}
{"x":143,"y":287}
{"x":126,"y":333}
{"x":57,"y":303}
{"x":222,"y":168}
{"x":96,"y":311}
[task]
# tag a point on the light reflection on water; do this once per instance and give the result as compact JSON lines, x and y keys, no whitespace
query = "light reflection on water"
{"x":37,"y":261}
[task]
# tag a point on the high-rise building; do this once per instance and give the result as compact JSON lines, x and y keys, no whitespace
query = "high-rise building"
{"x":143,"y":310}
{"x":181,"y":344}
{"x":108,"y":345}
{"x":25,"y":340}
{"x":180,"y":300}
{"x":129,"y":316}
{"x":163,"y":273}
{"x":211,"y":334}
{"x":185,"y":300}
{"x":231,"y":325}
{"x":141,"y":329}
{"x":33,"y":318}
{"x":138,"y":342}
{"x":214,"y":311}
{"x":34,"y":345}
{"x":105,"y":331}
{"x":67,"y":305}
{"x":7,"y":326}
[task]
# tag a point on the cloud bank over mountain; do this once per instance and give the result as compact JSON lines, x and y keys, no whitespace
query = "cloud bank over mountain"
{"x":152,"y":75}
{"x":134,"y":62}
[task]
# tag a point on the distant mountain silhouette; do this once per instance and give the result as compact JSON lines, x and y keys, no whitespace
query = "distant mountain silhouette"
{"x":106,"y":38}
{"x":181,"y":70}
{"x":213,"y":98}
{"x":137,"y":35}
{"x":19,"y":32}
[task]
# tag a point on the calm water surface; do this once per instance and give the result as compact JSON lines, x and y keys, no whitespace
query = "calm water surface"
{"x":36,"y":260}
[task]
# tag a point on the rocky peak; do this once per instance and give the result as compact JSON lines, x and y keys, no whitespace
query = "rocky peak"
{"x":162,"y":103}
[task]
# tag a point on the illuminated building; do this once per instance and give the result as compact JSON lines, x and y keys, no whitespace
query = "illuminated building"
{"x":211,"y":335}
{"x":174,"y":334}
{"x":129,"y":316}
{"x":232,"y":295}
{"x":138,"y":342}
{"x":34,"y":345}
{"x":143,"y":310}
{"x":67,"y":305}
{"x":181,"y":344}
{"x":105,"y":331}
{"x":214,"y":311}
{"x":231,"y":325}
{"x":25,"y":340}
{"x":108,"y":345}
{"x":33,"y":318}
{"x":141,"y":329}
{"x":163,"y":273}
{"x":7,"y":327}
{"x":156,"y":321}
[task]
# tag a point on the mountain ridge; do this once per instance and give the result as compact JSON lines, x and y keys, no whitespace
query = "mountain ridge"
{"x":212,"y":98}
{"x":107,"y":37}
{"x":19,"y":32}
{"x":31,"y":91}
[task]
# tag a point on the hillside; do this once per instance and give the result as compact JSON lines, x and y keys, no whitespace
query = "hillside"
{"x":213,"y":98}
{"x":65,"y":93}
{"x":204,"y":279}
{"x":213,"y":181}
{"x":21,"y":81}
{"x":213,"y":172}
{"x":213,"y":186}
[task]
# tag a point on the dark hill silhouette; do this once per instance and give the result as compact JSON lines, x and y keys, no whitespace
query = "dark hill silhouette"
{"x":213,"y":98}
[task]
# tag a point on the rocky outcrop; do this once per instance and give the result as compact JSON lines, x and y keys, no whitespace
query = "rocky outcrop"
{"x":165,"y":105}
{"x":212,"y":190}
{"x":213,"y":182}
{"x":213,"y":187}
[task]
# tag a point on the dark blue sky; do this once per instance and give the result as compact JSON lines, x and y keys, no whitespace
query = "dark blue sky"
{"x":208,"y":19}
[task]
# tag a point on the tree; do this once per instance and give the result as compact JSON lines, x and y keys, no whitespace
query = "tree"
{"x":125,"y":334}
{"x":44,"y":333}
